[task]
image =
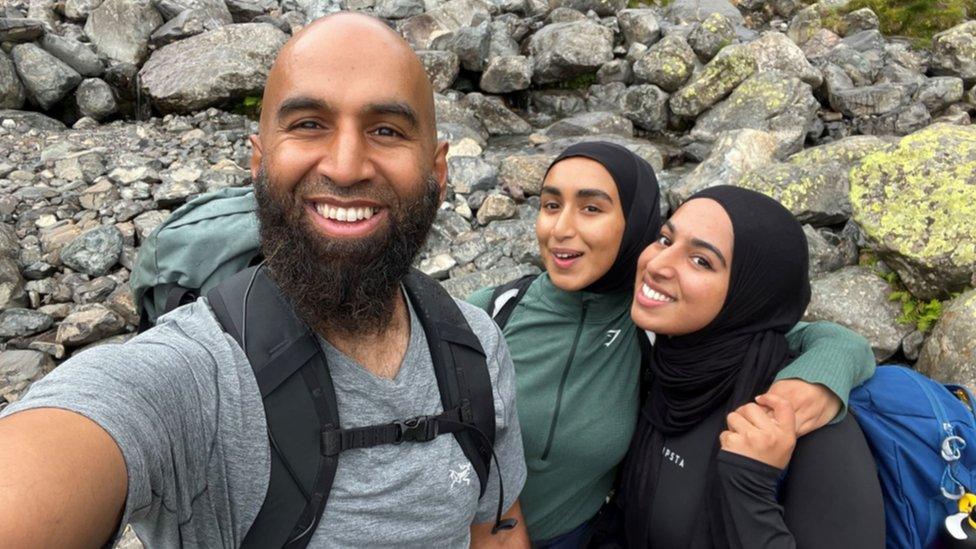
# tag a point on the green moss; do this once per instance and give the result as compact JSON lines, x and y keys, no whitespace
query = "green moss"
{"x":916,"y":19}
{"x":914,"y":312}
{"x":578,"y":82}
{"x":250,"y":107}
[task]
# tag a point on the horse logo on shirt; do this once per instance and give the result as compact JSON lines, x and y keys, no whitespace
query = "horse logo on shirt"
{"x":463,"y":474}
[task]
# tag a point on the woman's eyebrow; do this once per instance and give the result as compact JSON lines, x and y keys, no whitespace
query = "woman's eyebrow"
{"x":550,"y":190}
{"x":699,"y":243}
{"x":594,"y":193}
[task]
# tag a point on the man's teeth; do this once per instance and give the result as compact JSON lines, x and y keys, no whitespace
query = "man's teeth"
{"x":344,"y":214}
{"x":656,"y":296}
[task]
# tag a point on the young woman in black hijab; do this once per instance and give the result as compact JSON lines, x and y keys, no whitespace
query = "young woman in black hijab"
{"x":577,"y":353}
{"x":724,"y":283}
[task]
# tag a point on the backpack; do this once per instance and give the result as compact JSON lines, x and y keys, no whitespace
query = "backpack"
{"x":206,"y":247}
{"x":923,"y":438}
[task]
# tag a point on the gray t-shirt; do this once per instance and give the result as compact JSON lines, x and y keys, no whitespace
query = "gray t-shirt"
{"x":183,"y":405}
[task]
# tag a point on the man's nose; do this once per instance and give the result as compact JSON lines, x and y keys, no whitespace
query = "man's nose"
{"x":347,"y":159}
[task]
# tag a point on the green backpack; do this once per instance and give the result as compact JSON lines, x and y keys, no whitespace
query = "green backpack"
{"x":185,"y":252}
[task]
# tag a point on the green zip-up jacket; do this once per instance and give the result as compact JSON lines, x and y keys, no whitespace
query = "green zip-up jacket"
{"x":577,"y":361}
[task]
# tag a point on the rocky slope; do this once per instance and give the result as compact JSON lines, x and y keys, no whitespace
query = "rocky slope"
{"x":115,"y":112}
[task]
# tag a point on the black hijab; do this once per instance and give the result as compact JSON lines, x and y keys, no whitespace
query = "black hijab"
{"x":640,"y":200}
{"x":734,"y":358}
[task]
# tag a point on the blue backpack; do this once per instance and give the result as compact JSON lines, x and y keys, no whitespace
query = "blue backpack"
{"x":923,"y":437}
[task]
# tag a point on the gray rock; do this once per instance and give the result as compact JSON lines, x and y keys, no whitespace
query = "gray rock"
{"x":824,"y":256}
{"x":79,"y":10}
{"x":524,"y":171}
{"x":123,"y":303}
{"x":734,"y":154}
{"x":859,"y":20}
{"x":80,"y":166}
{"x":775,"y":51}
{"x":863,"y":69}
{"x":507,"y":74}
{"x":719,"y":77}
{"x":146,"y":222}
{"x":46,"y":78}
{"x":502,"y":42}
{"x":467,"y":246}
{"x":18,"y":369}
{"x":667,"y":64}
{"x":438,"y":266}
{"x":687,"y":11}
{"x":463,"y":140}
{"x":463,"y":286}
{"x":639,"y":26}
{"x":398,"y":9}
{"x":102,"y":194}
{"x":12,"y":93}
{"x":9,"y":243}
{"x":23,"y":322}
{"x":442,"y":68}
{"x":245,"y":11}
{"x":644,"y":149}
{"x":203,"y":70}
{"x":472,"y":46}
{"x":89,"y":324}
{"x":893,"y":73}
{"x":76,"y":55}
{"x":911,"y":345}
{"x":940,"y":92}
{"x":178,"y":185}
{"x":602,"y":8}
{"x":605,"y":97}
{"x":592,"y":123}
{"x":819,"y":46}
{"x":646,"y":106}
{"x":20,"y":30}
{"x":564,"y":50}
{"x":557,"y":103}
{"x":95,"y":252}
{"x":469,"y":174}
{"x":496,"y":207}
{"x":902,"y":121}
{"x":12,"y":292}
{"x":711,"y":35}
{"x":186,"y":24}
{"x":857,"y":298}
{"x":96,"y":99}
{"x":120,"y":29}
{"x":564,"y":15}
{"x":949,"y":353}
{"x":869,"y":100}
{"x":617,"y":70}
{"x":954,"y":52}
{"x":421,"y":30}
{"x":495,"y":116}
{"x":451,"y":111}
{"x":213,"y":13}
{"x":770,"y":101}
{"x":94,"y":291}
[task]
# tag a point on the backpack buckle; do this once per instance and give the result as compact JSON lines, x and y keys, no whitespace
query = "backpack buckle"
{"x":416,"y":429}
{"x":952,"y":447}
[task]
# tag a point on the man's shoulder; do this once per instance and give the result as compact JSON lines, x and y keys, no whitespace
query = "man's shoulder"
{"x":481,"y":325}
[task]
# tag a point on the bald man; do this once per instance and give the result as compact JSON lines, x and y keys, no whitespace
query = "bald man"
{"x":167,"y":431}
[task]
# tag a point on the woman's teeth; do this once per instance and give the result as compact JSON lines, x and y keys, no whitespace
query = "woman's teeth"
{"x":656,"y":296}
{"x":347,"y":215}
{"x":567,"y":256}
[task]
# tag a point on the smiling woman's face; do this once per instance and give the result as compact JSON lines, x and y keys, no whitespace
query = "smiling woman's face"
{"x":580,"y":223}
{"x":683,"y":278}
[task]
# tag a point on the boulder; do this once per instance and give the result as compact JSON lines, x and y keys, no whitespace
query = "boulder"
{"x":814,"y":183}
{"x":869,"y":100}
{"x":902,"y":121}
{"x":12,"y":292}
{"x":827,"y":251}
{"x":719,"y":77}
{"x":398,"y":9}
{"x":438,"y":266}
{"x":421,"y":30}
{"x":949,"y":353}
{"x":646,"y":106}
{"x":496,"y":207}
{"x":442,"y":68}
{"x":667,"y":64}
{"x":468,"y":174}
{"x":954,"y":52}
{"x":639,"y":26}
{"x":18,"y":369}
{"x":212,"y":13}
{"x":463,"y":286}
{"x":916,"y":206}
{"x":687,"y":11}
{"x":94,"y":252}
{"x":188,"y":23}
{"x":859,"y":20}
{"x":46,"y":78}
{"x":21,"y":30}
{"x":80,"y":166}
{"x":857,"y":298}
{"x":95,"y":99}
{"x":735,"y":154}
{"x":76,"y":55}
{"x":211,"y":68}
{"x":775,"y":51}
{"x":939,"y":92}
{"x":471,"y":44}
{"x":16,"y":322}
{"x":506,"y":74}
{"x":592,"y":123}
{"x":770,"y":101}
{"x":617,"y":70}
{"x":861,"y":68}
{"x":564,"y":50}
{"x":12,"y":93}
{"x":495,"y":116}
{"x":120,"y":29}
{"x":79,"y":10}
{"x":644,"y":149}
{"x":711,"y":35}
{"x":602,"y":8}
{"x":90,"y":323}
{"x":524,"y":171}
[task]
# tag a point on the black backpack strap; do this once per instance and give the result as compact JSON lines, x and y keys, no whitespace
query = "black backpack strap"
{"x":504,"y":298}
{"x":461,"y":368}
{"x":646,"y":350}
{"x":294,"y":381}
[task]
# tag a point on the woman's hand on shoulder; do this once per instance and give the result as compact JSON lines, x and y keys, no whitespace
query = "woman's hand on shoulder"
{"x":764,"y":430}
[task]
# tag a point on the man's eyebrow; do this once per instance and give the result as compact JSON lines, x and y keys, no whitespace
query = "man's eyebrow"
{"x":301,"y":103}
{"x":394,"y":108}
{"x":700,"y":244}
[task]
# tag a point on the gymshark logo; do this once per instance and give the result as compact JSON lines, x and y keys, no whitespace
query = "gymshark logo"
{"x":463,"y":474}
{"x":611,"y":337}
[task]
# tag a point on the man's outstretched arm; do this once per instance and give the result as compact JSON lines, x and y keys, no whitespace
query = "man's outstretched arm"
{"x":62,"y":480}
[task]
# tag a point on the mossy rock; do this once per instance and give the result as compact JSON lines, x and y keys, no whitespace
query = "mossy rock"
{"x":719,"y":77}
{"x":814,"y":183}
{"x":949,"y":353}
{"x":916,"y":204}
{"x":954,"y":52}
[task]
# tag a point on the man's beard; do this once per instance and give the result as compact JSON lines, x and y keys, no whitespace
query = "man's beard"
{"x":349,"y":286}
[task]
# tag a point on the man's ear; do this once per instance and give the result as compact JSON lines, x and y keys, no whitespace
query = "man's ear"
{"x":440,"y":167}
{"x":256,"y":154}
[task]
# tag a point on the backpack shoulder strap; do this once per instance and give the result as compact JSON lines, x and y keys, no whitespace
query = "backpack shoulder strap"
{"x":293,"y":377}
{"x":505,"y":297}
{"x":646,"y":351}
{"x":460,"y":367}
